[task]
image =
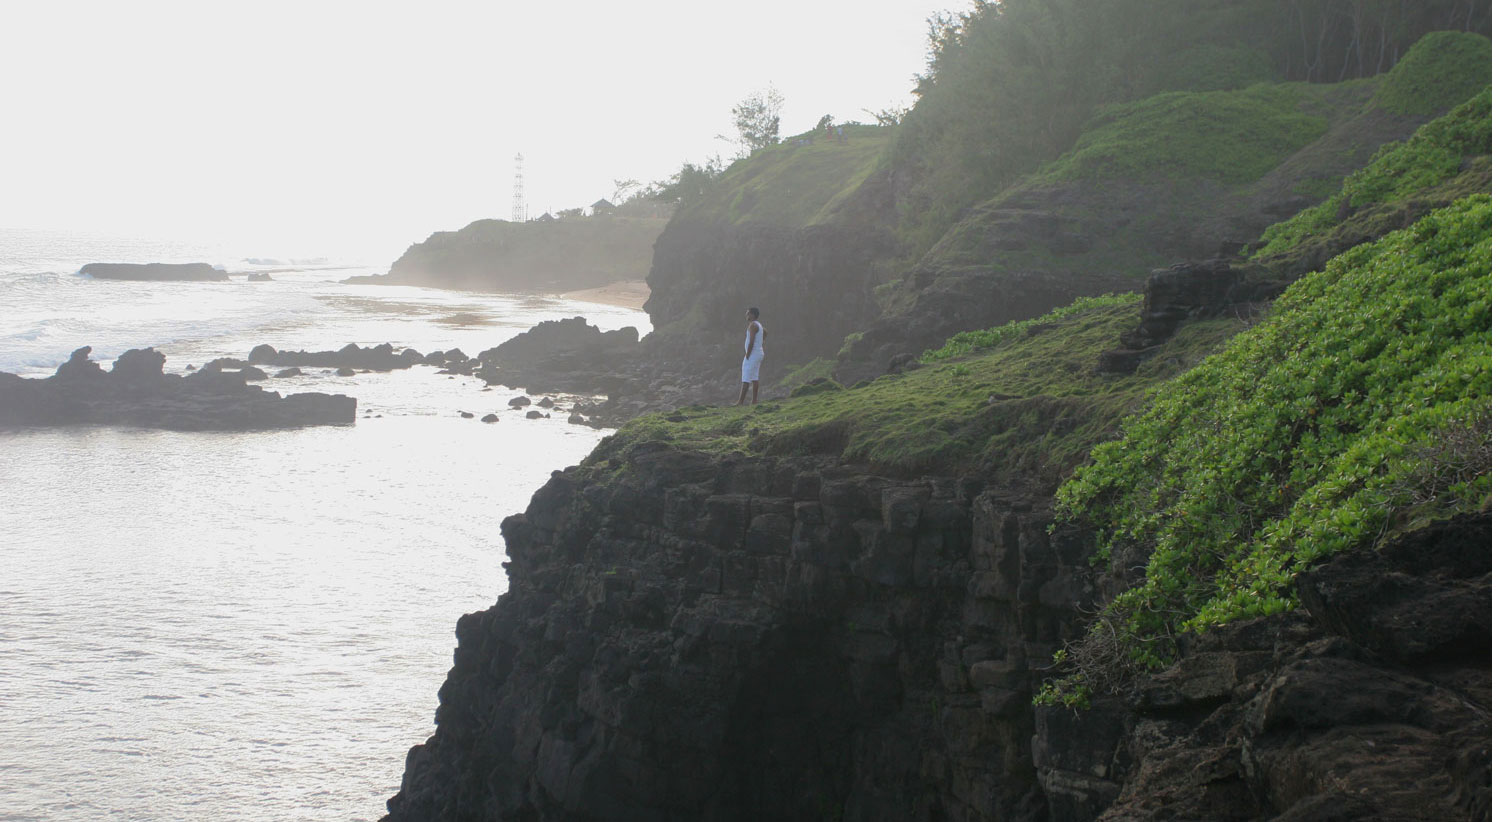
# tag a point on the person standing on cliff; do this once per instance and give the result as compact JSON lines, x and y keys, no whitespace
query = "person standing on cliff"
{"x":755,"y":351}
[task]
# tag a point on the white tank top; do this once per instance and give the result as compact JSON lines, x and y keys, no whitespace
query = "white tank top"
{"x":760,"y":338}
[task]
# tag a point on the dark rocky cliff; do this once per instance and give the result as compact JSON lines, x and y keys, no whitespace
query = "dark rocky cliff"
{"x":701,"y":638}
{"x":688,"y":637}
{"x":814,"y":286}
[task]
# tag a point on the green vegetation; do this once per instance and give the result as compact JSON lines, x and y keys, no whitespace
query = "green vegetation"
{"x":1427,"y":162}
{"x":1359,"y":407}
{"x":818,"y":368}
{"x":967,"y":342}
{"x":1442,"y":70}
{"x":1011,"y":86}
{"x":1229,"y":136}
{"x":790,"y":184}
{"x":1031,"y":402}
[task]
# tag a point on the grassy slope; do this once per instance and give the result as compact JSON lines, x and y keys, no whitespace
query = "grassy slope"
{"x":791,"y":185}
{"x":1029,"y":401}
{"x":1152,"y":180}
{"x":1227,"y":136}
{"x":1445,"y":159}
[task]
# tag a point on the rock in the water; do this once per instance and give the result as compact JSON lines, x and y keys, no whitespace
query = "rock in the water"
{"x":139,"y":365}
{"x":289,"y":372}
{"x":545,"y":402}
{"x":519,"y":402}
{"x":561,"y":355}
{"x":381,"y":357}
{"x":258,"y":277}
{"x":79,"y":366}
{"x":466,"y":415}
{"x":345,"y":371}
{"x":489,"y":418}
{"x":533,"y":414}
{"x":136,"y":392}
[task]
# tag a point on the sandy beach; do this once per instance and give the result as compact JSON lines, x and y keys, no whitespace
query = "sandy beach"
{"x":625,"y":294}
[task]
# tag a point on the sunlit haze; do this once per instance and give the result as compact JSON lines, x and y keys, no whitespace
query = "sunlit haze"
{"x":362,"y":127}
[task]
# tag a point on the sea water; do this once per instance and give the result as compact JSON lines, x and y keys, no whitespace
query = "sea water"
{"x":247,"y":625}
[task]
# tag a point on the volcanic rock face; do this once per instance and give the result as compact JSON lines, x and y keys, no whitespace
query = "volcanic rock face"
{"x":731,"y":638}
{"x":752,"y":639}
{"x":136,"y":392}
{"x":157,"y":272}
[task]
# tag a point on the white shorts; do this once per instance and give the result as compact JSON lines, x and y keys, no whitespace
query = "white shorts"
{"x":750,"y":369}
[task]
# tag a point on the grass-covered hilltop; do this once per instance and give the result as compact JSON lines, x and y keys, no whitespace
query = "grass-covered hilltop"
{"x":1127,"y":454}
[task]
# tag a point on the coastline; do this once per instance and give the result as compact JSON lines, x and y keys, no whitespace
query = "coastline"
{"x":621,"y":294}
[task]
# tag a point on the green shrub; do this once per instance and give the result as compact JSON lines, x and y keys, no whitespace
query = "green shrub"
{"x":1312,"y":433}
{"x":1434,"y":155}
{"x":1440,"y":71}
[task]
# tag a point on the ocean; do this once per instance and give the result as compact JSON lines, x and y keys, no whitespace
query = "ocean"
{"x":247,"y":625}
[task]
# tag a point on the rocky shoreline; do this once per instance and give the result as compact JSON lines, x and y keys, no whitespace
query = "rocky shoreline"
{"x":135,"y":391}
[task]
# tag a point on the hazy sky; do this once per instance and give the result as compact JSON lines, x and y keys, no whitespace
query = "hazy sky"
{"x":340,"y":125}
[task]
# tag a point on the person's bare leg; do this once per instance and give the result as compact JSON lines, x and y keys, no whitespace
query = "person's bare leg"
{"x":754,"y":392}
{"x":744,"y":387}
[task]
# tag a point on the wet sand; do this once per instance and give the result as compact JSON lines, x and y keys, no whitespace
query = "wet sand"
{"x":625,"y":294}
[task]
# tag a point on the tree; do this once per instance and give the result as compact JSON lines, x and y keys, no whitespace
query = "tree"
{"x":624,"y":189}
{"x":691,"y":182}
{"x":757,"y":120}
{"x":824,"y":122}
{"x":890,"y":116}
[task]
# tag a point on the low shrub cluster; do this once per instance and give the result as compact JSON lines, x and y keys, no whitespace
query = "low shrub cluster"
{"x":1358,"y":407}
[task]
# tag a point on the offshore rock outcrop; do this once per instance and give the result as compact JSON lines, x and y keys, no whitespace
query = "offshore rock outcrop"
{"x":381,"y":357}
{"x":696,"y":637}
{"x":562,"y":355}
{"x":136,"y":392}
{"x":155,"y":272}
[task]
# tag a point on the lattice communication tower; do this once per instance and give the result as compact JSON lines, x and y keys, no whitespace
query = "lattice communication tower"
{"x":518,"y":193}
